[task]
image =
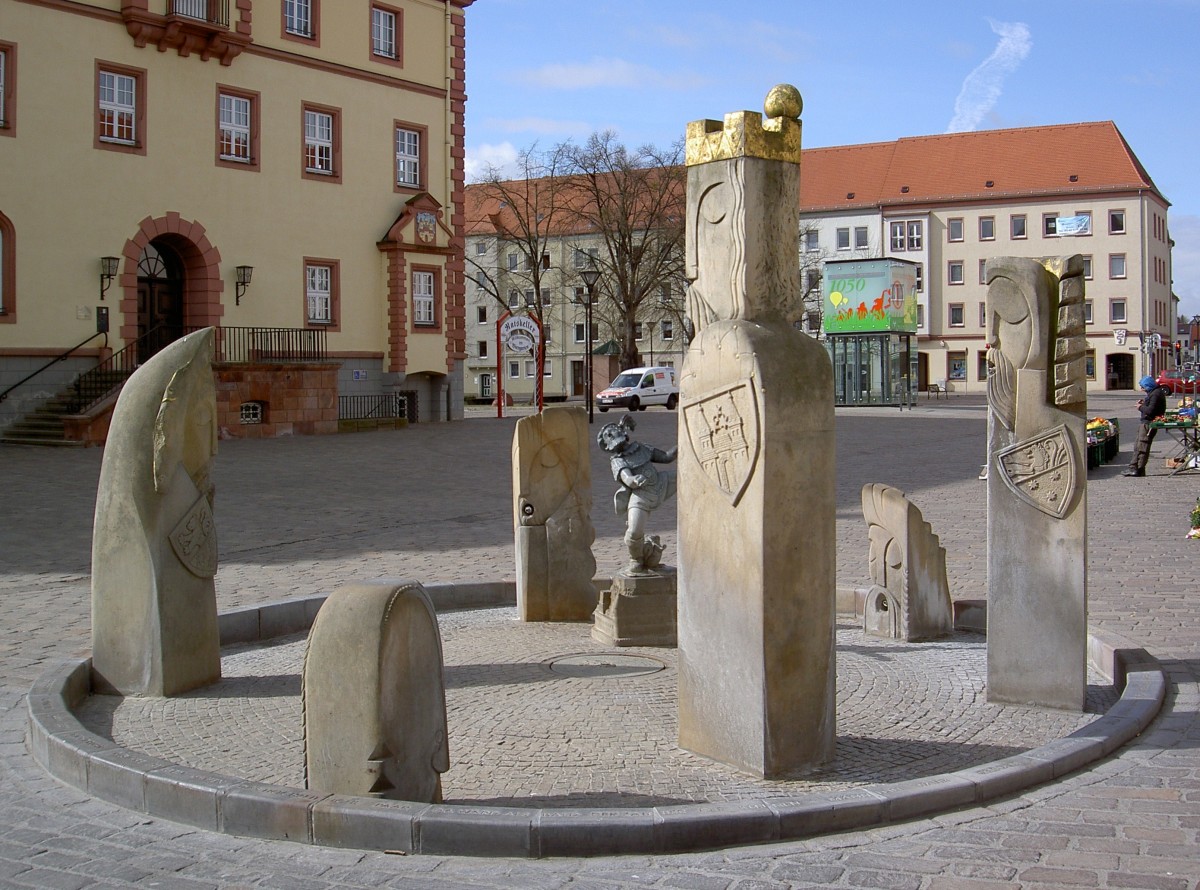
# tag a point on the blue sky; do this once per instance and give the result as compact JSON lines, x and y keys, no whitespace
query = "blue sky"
{"x":543,"y":71}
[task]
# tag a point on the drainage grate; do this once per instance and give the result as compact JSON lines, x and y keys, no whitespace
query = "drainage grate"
{"x":604,"y":665}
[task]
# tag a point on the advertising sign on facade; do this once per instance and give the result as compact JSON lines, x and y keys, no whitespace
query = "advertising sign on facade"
{"x":1072,"y":225}
{"x":520,"y":333}
{"x":870,"y":295}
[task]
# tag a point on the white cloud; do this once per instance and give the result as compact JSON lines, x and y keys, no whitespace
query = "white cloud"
{"x":483,"y":158}
{"x":982,"y":87}
{"x":602,"y":72}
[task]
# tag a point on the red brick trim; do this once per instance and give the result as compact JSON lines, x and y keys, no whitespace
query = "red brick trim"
{"x":8,"y":281}
{"x":455,"y":323}
{"x":397,"y":310}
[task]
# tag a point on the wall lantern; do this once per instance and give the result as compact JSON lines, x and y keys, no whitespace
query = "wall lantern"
{"x":244,"y":274}
{"x":108,"y":271}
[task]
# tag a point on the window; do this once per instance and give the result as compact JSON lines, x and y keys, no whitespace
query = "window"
{"x":481,"y":314}
{"x":907,"y":235}
{"x":1116,"y":311}
{"x":409,"y":166}
{"x":424,"y":297}
{"x":300,"y":19}
{"x":8,"y":89}
{"x":1016,"y":225}
{"x":1087,"y":267}
{"x":250,"y":412}
{"x":1087,"y":311}
{"x":860,"y":237}
{"x":1116,"y":222}
{"x":321,"y":291}
{"x":512,"y":262}
{"x":666,"y":329}
{"x":843,"y":239}
{"x":580,"y":331}
{"x":385,"y":32}
{"x":920,"y":277}
{"x":1089,"y":364}
{"x":530,"y":368}
{"x":514,"y":299}
{"x":812,"y":279}
{"x":954,"y":272}
{"x":8,"y":253}
{"x":237,"y":129}
{"x":812,"y":242}
{"x":585,"y":258}
{"x":983,"y":271}
{"x":482,"y":348}
{"x":514,"y":370}
{"x":529,"y":300}
{"x":121,"y":109}
{"x":920,"y":316}
{"x":548,"y":368}
{"x":480,"y":247}
{"x":637,"y":330}
{"x":957,"y":362}
{"x":981,"y":365}
{"x":954,"y":229}
{"x":545,"y":261}
{"x":322,"y":143}
{"x":987,"y":228}
{"x":1050,"y":224}
{"x":983,"y":315}
{"x":956,"y":315}
{"x":1116,"y":265}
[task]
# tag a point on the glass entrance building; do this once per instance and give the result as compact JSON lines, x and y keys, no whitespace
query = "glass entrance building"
{"x":870,"y":320}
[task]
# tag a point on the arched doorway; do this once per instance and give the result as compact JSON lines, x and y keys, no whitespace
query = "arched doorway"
{"x":160,"y":301}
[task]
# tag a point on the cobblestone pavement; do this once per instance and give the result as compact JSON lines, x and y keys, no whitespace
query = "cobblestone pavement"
{"x":301,"y":516}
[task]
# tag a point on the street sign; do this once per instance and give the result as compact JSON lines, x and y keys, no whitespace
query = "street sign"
{"x":520,"y":333}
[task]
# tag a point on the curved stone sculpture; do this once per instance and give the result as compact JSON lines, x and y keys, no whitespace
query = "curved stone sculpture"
{"x":374,"y":697}
{"x":552,"y":503}
{"x":154,"y":544}
{"x":910,"y":597}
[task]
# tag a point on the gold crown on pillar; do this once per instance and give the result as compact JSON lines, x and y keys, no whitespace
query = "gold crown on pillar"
{"x":746,"y":134}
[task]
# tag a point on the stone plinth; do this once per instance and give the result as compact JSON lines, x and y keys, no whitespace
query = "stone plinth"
{"x":638,"y":610}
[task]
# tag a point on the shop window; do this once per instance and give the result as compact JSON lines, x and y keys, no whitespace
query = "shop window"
{"x":956,"y":366}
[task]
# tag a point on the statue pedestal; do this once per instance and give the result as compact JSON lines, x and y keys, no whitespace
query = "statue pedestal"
{"x":637,"y":610}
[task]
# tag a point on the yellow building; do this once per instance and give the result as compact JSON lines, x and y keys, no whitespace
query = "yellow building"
{"x":313,"y":149}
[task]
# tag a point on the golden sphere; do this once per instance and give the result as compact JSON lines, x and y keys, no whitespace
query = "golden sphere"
{"x":783,"y":101}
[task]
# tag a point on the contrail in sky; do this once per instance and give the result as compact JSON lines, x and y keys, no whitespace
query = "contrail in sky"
{"x":982,"y":87}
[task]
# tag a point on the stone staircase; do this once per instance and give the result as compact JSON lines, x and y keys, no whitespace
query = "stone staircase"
{"x":45,"y":425}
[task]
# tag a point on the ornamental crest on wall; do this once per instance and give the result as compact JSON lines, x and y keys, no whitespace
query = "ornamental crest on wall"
{"x":1041,"y":471}
{"x":723,"y":430}
{"x":426,"y":225}
{"x":194,"y":540}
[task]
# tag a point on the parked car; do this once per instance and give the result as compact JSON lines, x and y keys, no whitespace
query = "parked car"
{"x":1180,"y":381}
{"x":638,"y":388}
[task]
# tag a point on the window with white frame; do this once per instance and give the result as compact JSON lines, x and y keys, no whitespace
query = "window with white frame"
{"x":920,"y":277}
{"x":318,"y":142}
{"x":920,"y":316}
{"x":983,"y":315}
{"x":320,"y":294}
{"x":235,"y":128}
{"x":1017,"y":226}
{"x":480,"y":247}
{"x":1087,"y":266}
{"x":514,"y":299}
{"x":580,"y":332}
{"x":983,"y":271}
{"x":907,"y":235}
{"x":1050,"y":224}
{"x":481,"y":348}
{"x":956,"y":319}
{"x":1116,"y":222}
{"x":1087,"y":311}
{"x":666,"y":329}
{"x":585,"y":258}
{"x":843,"y":239}
{"x":860,"y":238}
{"x":954,"y":272}
{"x":512,"y":262}
{"x":298,"y":17}
{"x":481,"y":314}
{"x":812,"y":241}
{"x":514,"y":370}
{"x":548,"y":368}
{"x":987,"y":228}
{"x":1116,"y":265}
{"x":408,"y":158}
{"x":423,"y":298}
{"x":637,"y":330}
{"x":118,"y":108}
{"x":530,"y":367}
{"x":384,"y":31}
{"x":954,"y":229}
{"x":1116,"y":311}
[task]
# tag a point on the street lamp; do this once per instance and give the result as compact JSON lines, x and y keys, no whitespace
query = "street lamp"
{"x":1194,"y":336}
{"x":589,"y":276}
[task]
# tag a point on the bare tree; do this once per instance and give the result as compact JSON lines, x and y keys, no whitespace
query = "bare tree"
{"x":632,"y":203}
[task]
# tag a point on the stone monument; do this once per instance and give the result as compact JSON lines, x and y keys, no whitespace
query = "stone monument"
{"x":909,"y":597}
{"x":552,"y":502}
{"x":1036,"y":482}
{"x":639,"y":608}
{"x":154,"y":542}
{"x":373,"y":693}
{"x":756,"y":467}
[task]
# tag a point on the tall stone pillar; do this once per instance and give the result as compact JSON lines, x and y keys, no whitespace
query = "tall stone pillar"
{"x":1037,"y":483}
{"x":756,"y":460}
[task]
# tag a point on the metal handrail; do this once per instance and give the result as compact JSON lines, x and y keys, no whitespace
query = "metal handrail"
{"x":96,"y":384}
{"x":53,"y":361}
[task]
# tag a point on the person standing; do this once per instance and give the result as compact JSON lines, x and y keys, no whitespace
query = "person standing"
{"x":1152,"y":407}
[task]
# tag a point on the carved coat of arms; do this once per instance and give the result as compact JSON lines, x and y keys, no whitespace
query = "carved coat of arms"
{"x":194,"y":540}
{"x":426,"y":226}
{"x":1041,"y":471}
{"x":723,"y":429}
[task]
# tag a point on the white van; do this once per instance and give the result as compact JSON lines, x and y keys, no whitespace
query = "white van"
{"x":638,"y":388}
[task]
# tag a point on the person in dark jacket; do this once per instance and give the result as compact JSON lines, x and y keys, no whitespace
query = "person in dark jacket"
{"x":1152,"y":407}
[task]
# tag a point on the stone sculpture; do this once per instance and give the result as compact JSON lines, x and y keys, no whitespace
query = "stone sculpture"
{"x":643,"y":488}
{"x":910,"y":597}
{"x":552,"y":502}
{"x":373,"y":694}
{"x":1037,"y":482}
{"x":154,"y":543}
{"x":756,"y":467}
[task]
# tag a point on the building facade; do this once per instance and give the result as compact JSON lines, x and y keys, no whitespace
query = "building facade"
{"x":257,"y":165}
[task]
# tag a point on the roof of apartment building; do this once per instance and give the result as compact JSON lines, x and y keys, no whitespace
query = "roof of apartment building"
{"x":982,"y":165}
